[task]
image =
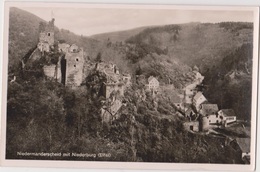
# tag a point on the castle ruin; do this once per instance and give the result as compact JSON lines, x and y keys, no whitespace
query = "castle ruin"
{"x":69,"y":68}
{"x":46,"y":36}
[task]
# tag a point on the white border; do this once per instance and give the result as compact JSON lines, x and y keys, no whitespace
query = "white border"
{"x":130,"y":165}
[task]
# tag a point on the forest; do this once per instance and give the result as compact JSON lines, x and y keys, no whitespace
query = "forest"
{"x":45,"y":116}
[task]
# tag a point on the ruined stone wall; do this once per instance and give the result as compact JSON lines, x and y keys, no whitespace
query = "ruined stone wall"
{"x":43,"y":47}
{"x":47,"y":33}
{"x":47,"y":37}
{"x":109,"y":88}
{"x":50,"y":71}
{"x":191,"y":126}
{"x":74,"y":68}
{"x":105,"y":116}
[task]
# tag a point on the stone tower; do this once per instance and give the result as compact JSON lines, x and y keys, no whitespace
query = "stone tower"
{"x":46,"y":36}
{"x":70,"y":67}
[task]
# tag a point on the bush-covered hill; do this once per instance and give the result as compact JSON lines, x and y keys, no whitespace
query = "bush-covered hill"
{"x":23,"y":35}
{"x":201,"y":44}
{"x":230,"y":83}
{"x":222,"y":51}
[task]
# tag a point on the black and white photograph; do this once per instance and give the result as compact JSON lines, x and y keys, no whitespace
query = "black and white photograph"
{"x":130,"y":83}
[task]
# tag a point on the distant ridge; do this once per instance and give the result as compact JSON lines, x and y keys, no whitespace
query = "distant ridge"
{"x":118,"y":36}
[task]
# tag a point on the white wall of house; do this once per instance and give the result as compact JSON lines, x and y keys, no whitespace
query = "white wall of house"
{"x":153,"y":84}
{"x":226,"y":119}
{"x":198,"y":101}
{"x":190,"y":92}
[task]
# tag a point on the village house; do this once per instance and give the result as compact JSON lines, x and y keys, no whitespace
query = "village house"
{"x":227,"y":116}
{"x":198,"y":78}
{"x":190,"y":87}
{"x":189,"y":92}
{"x":189,"y":113}
{"x":198,"y":99}
{"x":208,"y":109}
{"x":212,"y":118}
{"x":153,"y":84}
{"x":127,"y":79}
{"x":242,"y":145}
{"x":209,"y":117}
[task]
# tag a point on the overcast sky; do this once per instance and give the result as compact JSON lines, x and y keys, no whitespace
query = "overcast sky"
{"x":93,"y":20}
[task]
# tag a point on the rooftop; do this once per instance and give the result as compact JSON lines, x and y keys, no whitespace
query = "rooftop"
{"x":208,"y":109}
{"x":228,"y":112}
{"x":150,"y":78}
{"x":198,"y":95}
{"x":244,"y":144}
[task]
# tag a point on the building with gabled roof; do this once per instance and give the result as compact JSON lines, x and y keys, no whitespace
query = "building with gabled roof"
{"x":227,"y":116}
{"x":208,"y":109}
{"x":153,"y":84}
{"x":198,"y":99}
{"x":244,"y":148}
{"x":127,"y":79}
{"x":189,"y":92}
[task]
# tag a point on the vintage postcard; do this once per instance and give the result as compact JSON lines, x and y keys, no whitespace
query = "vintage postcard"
{"x":129,"y":86}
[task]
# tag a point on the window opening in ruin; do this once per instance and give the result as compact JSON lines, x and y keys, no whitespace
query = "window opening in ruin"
{"x":74,"y":65}
{"x":49,"y":34}
{"x":77,"y":59}
{"x":63,"y":70}
{"x":191,"y":128}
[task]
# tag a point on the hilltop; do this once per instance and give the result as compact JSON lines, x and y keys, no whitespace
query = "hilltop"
{"x":118,"y":36}
{"x":201,"y":44}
